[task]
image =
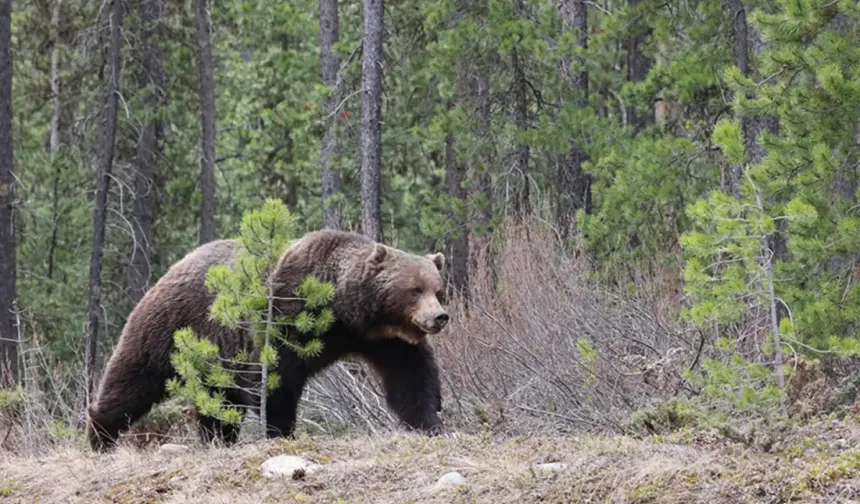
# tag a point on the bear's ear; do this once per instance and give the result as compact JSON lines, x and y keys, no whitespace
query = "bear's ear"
{"x":377,"y":255}
{"x":438,"y":259}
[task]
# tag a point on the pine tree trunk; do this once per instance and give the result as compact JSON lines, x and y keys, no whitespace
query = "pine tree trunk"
{"x":55,"y":138}
{"x":151,"y":77}
{"x":740,"y":35}
{"x":846,"y":183}
{"x":574,"y":185}
{"x":207,"y":121}
{"x":522,"y":204}
{"x":748,"y":44}
{"x":740,"y":44}
{"x":8,"y":294}
{"x":481,"y":218}
{"x":667,"y":112}
{"x":329,"y":62}
{"x":760,"y":124}
{"x":638,"y":66}
{"x":55,"y":80}
{"x":371,"y":117}
{"x":110,"y":90}
{"x":458,"y":243}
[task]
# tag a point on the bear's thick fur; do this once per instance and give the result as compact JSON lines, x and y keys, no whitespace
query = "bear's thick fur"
{"x":385,"y":304}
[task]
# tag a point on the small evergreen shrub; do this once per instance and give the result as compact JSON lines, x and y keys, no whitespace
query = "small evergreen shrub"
{"x":245,"y":302}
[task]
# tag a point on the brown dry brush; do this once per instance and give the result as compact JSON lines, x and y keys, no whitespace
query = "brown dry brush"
{"x":51,"y":399}
{"x":511,"y":360}
{"x":50,"y":410}
{"x":520,"y":357}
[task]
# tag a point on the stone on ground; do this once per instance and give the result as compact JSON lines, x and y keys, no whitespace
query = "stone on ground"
{"x":287,"y":465}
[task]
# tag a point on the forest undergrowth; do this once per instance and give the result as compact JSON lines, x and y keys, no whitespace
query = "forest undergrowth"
{"x":539,"y":344}
{"x":542,"y":352}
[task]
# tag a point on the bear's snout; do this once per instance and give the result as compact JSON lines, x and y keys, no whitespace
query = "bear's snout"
{"x":434,"y":322}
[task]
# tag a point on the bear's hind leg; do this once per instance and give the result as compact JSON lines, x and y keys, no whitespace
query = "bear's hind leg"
{"x":128,"y":391}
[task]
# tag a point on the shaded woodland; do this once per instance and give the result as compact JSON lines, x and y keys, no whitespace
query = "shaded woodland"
{"x":638,"y":199}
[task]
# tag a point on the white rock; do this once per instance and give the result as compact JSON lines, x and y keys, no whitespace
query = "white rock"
{"x":171,"y":448}
{"x":551,"y":467}
{"x":451,"y":479}
{"x":287,"y":465}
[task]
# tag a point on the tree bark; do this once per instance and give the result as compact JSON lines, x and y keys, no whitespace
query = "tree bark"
{"x":458,"y":243}
{"x":55,"y":79}
{"x":574,"y":185}
{"x":8,"y":294}
{"x":371,"y":120}
{"x":747,"y":43}
{"x":740,"y":34}
{"x":151,"y":77}
{"x":522,"y":203}
{"x":329,"y":63}
{"x":54,"y":143}
{"x":110,"y":89}
{"x":480,"y":257}
{"x":846,"y":182}
{"x":740,"y":41}
{"x":574,"y":17}
{"x":207,"y":120}
{"x":638,"y":66}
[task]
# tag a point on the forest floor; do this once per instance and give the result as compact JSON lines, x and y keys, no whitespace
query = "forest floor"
{"x":819,"y":462}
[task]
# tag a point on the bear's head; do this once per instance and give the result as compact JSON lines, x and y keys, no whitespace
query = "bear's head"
{"x":410,"y":292}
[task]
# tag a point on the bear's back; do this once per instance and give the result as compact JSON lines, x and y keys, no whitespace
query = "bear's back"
{"x":198,"y":261}
{"x":178,"y":299}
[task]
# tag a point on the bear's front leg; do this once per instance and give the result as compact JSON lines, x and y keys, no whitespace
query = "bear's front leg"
{"x":410,"y":377}
{"x":283,"y":402}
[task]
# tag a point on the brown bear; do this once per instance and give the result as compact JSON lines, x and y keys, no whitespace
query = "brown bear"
{"x":386,"y":302}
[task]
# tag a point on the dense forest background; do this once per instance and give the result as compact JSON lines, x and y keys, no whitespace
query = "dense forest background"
{"x":637,"y":198}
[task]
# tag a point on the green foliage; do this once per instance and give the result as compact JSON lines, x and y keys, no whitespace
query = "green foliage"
{"x":11,"y":402}
{"x":801,"y":192}
{"x":727,"y":276}
{"x":733,"y":384}
{"x":722,"y":255}
{"x":588,"y":354}
{"x":9,"y":487}
{"x":665,"y":417}
{"x":639,"y":199}
{"x":810,"y":73}
{"x":727,"y":134}
{"x":199,"y":372}
{"x":244,"y":302}
{"x":60,"y":432}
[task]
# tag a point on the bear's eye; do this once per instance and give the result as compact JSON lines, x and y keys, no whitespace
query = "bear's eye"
{"x":416,"y":291}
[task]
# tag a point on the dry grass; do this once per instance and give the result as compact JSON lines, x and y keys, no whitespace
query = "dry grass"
{"x":498,"y":469}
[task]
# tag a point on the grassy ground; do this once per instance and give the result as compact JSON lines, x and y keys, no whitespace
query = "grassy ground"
{"x":817,"y":463}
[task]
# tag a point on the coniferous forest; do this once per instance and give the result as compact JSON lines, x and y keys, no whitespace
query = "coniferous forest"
{"x":650,"y":210}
